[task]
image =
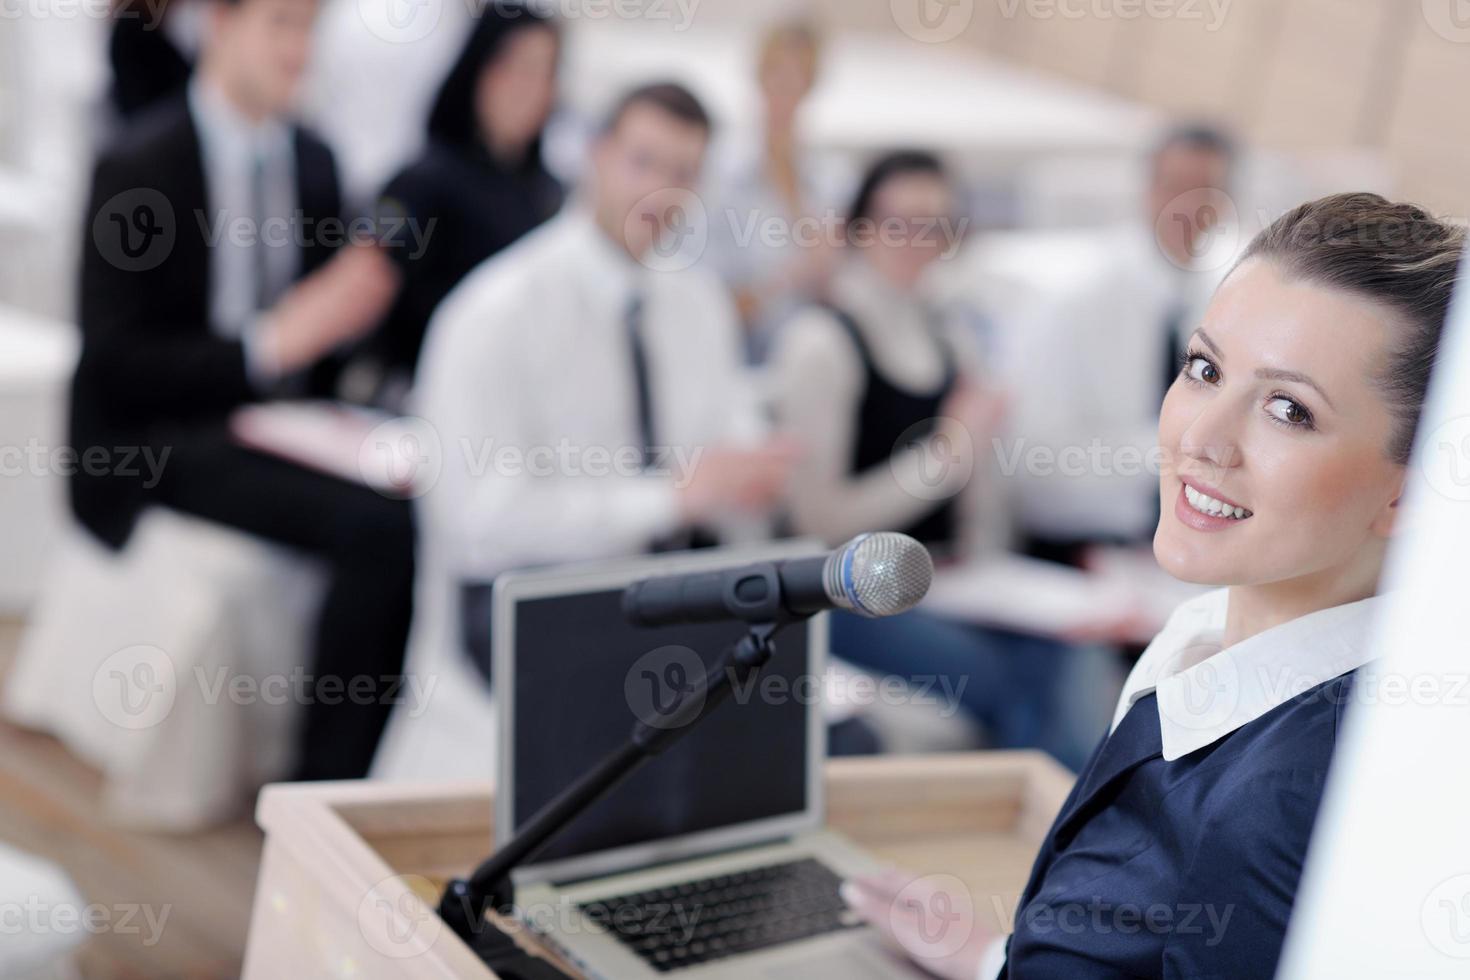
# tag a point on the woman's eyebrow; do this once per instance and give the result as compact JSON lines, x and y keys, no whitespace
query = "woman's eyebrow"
{"x":1214,"y":347}
{"x":1269,"y":374}
{"x":1276,"y":374}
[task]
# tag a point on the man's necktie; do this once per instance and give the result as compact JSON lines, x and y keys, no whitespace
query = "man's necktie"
{"x":642,"y":386}
{"x":260,"y":251}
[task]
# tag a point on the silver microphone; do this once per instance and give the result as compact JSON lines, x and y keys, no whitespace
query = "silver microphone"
{"x":880,"y":574}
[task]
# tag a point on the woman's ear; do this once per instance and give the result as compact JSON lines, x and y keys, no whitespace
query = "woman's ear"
{"x":1387,"y":517}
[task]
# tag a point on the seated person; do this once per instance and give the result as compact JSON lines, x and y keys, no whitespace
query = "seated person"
{"x":588,"y":407}
{"x":1287,"y":436}
{"x":887,"y":399}
{"x":479,"y":184}
{"x":1128,"y":315}
{"x":183,"y":321}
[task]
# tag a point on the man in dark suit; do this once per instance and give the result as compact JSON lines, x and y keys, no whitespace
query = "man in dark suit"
{"x":212,"y":277}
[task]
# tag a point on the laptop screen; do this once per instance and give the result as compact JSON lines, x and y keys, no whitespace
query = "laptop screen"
{"x":580,"y":674}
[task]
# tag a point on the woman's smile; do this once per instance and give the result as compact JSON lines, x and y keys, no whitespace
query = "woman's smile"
{"x":1204,"y":508}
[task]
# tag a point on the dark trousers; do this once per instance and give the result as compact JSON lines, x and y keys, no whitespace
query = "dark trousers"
{"x":366,"y":542}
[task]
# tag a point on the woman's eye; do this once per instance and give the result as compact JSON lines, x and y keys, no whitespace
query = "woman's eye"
{"x":1289,"y":412}
{"x":1200,"y":369}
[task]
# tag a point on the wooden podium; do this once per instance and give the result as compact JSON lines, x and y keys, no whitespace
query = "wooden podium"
{"x":351,"y":871}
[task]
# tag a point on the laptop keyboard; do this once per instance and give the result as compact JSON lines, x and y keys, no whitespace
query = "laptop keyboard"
{"x":696,"y":922}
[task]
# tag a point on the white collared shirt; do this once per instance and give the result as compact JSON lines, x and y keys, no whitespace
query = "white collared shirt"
{"x":230,"y":144}
{"x":1089,"y":382}
{"x":1206,"y":692}
{"x":527,"y":383}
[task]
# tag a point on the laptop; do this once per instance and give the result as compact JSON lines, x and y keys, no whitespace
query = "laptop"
{"x":709,"y":861}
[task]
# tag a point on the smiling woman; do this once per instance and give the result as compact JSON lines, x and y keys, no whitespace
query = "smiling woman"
{"x":1286,"y":436}
{"x":1286,"y":439}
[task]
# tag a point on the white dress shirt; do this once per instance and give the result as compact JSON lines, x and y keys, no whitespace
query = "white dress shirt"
{"x":1204,"y":692}
{"x":1090,"y":372}
{"x":527,"y":383}
{"x":819,"y":376}
{"x":231,"y":147}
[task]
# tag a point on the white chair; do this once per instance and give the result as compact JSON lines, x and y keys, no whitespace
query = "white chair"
{"x":174,"y":667}
{"x":44,"y":927}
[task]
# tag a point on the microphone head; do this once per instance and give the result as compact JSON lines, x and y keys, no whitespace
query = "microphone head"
{"x":880,"y":574}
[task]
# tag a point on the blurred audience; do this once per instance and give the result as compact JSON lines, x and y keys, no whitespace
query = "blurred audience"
{"x":1101,"y":356}
{"x":480,"y":183}
{"x":588,"y":406}
{"x":774,"y":201}
{"x":227,"y":312}
{"x":584,"y":384}
{"x":888,"y":401}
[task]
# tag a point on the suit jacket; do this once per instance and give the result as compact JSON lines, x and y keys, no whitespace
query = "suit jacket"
{"x":151,"y":366}
{"x":1182,"y":869}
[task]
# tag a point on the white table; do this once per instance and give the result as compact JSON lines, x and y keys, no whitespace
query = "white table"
{"x":36,"y":361}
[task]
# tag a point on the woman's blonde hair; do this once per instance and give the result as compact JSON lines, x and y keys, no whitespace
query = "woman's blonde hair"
{"x":790,"y":34}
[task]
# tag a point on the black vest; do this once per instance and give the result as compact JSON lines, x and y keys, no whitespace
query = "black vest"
{"x":888,"y":414}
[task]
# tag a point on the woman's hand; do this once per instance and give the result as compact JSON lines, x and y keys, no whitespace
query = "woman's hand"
{"x":931,"y":918}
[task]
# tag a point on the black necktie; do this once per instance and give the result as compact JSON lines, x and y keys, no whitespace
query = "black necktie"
{"x":633,"y":321}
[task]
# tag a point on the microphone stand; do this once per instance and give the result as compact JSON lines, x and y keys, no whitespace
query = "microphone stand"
{"x":465,"y":901}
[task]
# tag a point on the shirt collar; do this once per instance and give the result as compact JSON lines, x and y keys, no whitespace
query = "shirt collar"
{"x":608,"y":274}
{"x":1206,"y":692}
{"x":230,"y":133}
{"x":865,"y":296}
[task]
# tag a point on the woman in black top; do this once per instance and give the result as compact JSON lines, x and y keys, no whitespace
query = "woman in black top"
{"x":887,"y":397}
{"x":480,"y":180}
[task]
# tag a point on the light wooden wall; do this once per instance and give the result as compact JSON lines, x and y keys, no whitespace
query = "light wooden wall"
{"x":1298,"y":75}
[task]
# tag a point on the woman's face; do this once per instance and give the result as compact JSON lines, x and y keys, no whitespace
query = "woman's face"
{"x":517,"y":88}
{"x":1277,"y":414}
{"x":908,"y":228}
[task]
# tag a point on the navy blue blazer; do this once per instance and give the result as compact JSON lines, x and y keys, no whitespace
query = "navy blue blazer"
{"x":1182,"y":869}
